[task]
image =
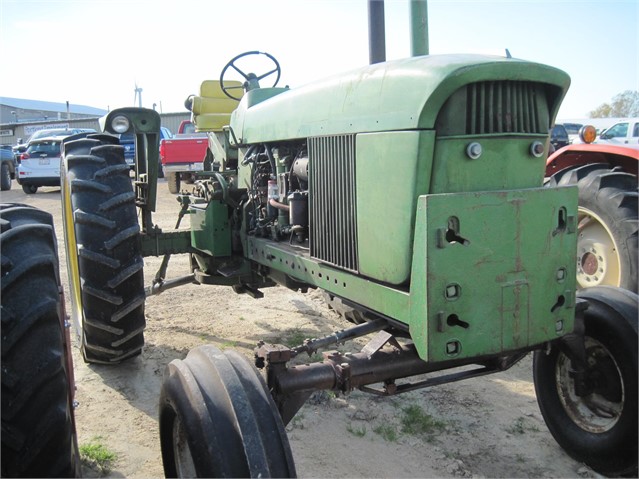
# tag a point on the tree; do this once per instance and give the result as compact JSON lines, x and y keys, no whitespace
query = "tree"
{"x":624,"y":104}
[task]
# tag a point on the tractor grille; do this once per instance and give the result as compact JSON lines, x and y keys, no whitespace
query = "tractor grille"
{"x":332,"y":215}
{"x":495,"y":107}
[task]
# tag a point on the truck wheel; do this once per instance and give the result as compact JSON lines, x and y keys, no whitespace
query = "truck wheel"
{"x":173,"y":182}
{"x":29,"y":189}
{"x":38,"y":431}
{"x":217,"y":419}
{"x":599,"y":429}
{"x":607,"y":225}
{"x":103,"y":250}
{"x":5,"y":177}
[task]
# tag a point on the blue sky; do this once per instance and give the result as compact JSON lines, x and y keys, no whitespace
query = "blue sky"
{"x":93,"y":52}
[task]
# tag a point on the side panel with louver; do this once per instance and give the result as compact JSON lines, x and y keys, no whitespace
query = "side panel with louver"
{"x":332,"y":215}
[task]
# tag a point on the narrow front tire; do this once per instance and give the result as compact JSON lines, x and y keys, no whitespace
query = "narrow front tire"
{"x":600,"y":427}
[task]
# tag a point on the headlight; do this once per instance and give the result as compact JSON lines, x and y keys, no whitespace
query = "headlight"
{"x":120,"y":124}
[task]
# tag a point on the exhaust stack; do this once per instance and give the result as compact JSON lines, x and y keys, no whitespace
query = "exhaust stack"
{"x":377,"y":30}
{"x":418,"y":28}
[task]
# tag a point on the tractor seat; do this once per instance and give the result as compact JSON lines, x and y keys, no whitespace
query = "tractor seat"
{"x":212,"y":109}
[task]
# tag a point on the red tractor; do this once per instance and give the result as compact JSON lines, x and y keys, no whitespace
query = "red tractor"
{"x":606,"y":176}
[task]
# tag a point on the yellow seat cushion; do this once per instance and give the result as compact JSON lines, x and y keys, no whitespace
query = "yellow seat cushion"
{"x":203,"y":105}
{"x":211,"y":121}
{"x":212,"y":109}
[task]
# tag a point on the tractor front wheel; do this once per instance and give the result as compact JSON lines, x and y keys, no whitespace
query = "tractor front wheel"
{"x":598,"y":428}
{"x":217,"y":419}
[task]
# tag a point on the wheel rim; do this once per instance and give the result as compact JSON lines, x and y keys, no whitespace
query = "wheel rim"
{"x":599,"y":410}
{"x":184,"y":465}
{"x":73,"y":266}
{"x":598,"y":260}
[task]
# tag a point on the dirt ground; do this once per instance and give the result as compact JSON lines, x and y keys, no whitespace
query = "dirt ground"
{"x":484,"y":427}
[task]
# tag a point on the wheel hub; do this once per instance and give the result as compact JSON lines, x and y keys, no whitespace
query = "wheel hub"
{"x":598,"y":259}
{"x":600,"y":409}
{"x":589,"y":264}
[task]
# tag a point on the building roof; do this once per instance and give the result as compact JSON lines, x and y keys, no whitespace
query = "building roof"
{"x":39,"y":105}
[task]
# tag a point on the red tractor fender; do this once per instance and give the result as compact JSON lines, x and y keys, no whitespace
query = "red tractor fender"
{"x":586,"y":153}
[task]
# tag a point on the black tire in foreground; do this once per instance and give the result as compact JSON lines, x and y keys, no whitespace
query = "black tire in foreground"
{"x":599,"y":428}
{"x":173,"y":182}
{"x":217,"y":419}
{"x":38,"y":432}
{"x":607,"y":224}
{"x":103,"y":249}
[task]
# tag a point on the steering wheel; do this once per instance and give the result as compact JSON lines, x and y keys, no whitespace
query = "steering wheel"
{"x":252,"y":80}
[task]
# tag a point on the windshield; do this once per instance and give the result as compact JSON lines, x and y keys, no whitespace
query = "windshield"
{"x":49,"y":132}
{"x":572,"y":128}
{"x":559,"y":131}
{"x":44,"y":148}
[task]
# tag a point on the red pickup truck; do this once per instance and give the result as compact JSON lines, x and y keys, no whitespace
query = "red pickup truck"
{"x":182,"y":155}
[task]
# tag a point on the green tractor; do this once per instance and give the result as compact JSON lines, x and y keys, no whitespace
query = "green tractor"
{"x":411,"y":192}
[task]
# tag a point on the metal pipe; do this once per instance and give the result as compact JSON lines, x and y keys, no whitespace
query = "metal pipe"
{"x":280,"y":206}
{"x":418,"y":28}
{"x":312,"y":345}
{"x":376,"y":32}
{"x":363,"y":371}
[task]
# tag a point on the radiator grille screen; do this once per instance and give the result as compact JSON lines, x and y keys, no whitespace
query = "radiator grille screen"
{"x":493,"y":107}
{"x":332,"y":215}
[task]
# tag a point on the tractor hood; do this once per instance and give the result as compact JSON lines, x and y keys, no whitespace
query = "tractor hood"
{"x":404,"y":94}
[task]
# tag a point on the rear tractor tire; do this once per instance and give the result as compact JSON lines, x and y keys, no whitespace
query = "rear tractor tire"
{"x":607,"y":225}
{"x":103,"y":249}
{"x":38,"y":429}
{"x":598,"y":428}
{"x":217,"y":419}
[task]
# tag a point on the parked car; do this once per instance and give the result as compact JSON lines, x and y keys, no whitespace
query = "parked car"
{"x":559,"y":137}
{"x":127,"y":140}
{"x":624,"y":132}
{"x":7,"y":167}
{"x":573,"y":131}
{"x":40,"y":164}
{"x":18,"y":150}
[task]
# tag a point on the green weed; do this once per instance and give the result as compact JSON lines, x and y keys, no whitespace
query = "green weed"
{"x":96,"y":455}
{"x":387,"y":431}
{"x":356,"y":431}
{"x":294,"y":337}
{"x":416,"y":422}
{"x":228,"y":345}
{"x":520,"y":427}
{"x":297,"y":422}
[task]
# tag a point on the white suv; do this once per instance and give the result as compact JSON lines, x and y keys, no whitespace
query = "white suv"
{"x":40,"y":164}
